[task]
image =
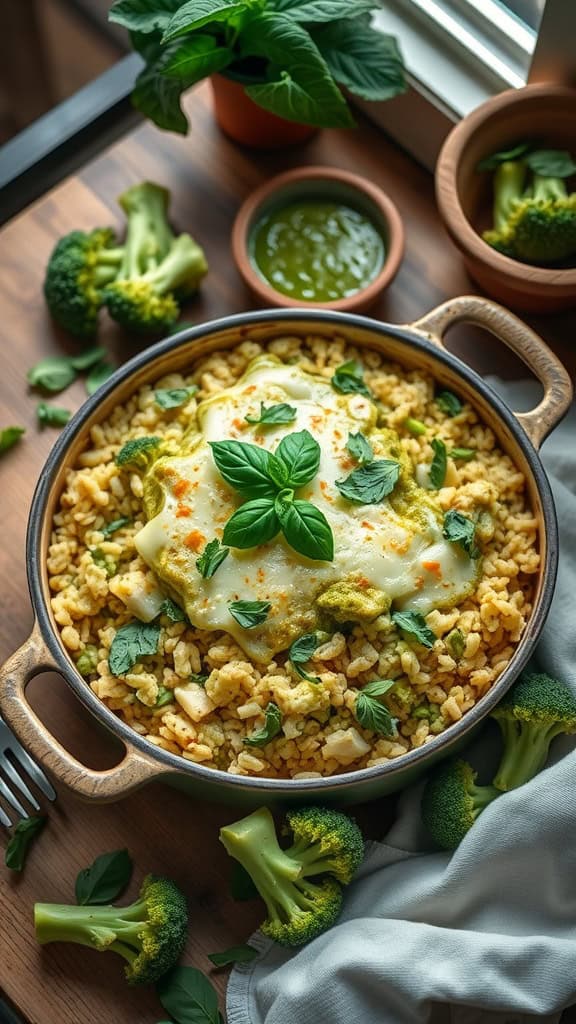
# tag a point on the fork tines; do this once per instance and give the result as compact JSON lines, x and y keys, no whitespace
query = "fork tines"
{"x":14,"y":762}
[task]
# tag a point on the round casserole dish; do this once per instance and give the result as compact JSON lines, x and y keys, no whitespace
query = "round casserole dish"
{"x":418,"y":345}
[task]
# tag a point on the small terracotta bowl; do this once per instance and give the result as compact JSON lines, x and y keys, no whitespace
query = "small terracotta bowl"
{"x":545,"y":113}
{"x":327,"y":183}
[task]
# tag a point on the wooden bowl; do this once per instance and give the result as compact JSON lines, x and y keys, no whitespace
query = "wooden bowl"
{"x":546,"y":113}
{"x":314,"y":183}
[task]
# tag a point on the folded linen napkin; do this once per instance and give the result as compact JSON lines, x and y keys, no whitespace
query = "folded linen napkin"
{"x":484,"y":934}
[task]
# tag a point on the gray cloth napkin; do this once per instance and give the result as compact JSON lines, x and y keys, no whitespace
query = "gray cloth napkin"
{"x":484,"y":934}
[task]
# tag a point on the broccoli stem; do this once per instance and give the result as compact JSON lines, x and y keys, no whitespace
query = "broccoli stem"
{"x":508,"y":186}
{"x":526,"y":748}
{"x":311,"y":858}
{"x":148,"y":234}
{"x":253,"y":842}
{"x":98,"y":927}
{"x":482,"y":796}
{"x":174,"y":270}
{"x":548,"y":188}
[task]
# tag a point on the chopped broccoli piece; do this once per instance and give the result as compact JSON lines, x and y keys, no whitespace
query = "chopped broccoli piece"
{"x":87,"y":660}
{"x":150,"y":934}
{"x":326,"y":844}
{"x":79,"y":268}
{"x":532,"y":713}
{"x":139,"y":453}
{"x":452,"y":801}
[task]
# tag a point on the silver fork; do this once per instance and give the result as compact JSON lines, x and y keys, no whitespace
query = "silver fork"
{"x":10,"y":745}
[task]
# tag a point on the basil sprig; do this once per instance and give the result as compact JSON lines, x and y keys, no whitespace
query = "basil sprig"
{"x":21,"y":840}
{"x":105,"y":880}
{"x":211,"y":558}
{"x":370,"y":484}
{"x":132,"y":641}
{"x":360,"y":448}
{"x":349,"y":379}
{"x":249,"y":614}
{"x":414,"y":624}
{"x":449,"y":403}
{"x":459,"y":529}
{"x":439,"y":463}
{"x":281,"y":413}
{"x":370,"y":712}
{"x":269,"y":730}
{"x":300,"y":652}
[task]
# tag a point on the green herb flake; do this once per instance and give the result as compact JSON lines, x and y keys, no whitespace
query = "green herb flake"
{"x":173,"y":398}
{"x":415,"y":427}
{"x":164,"y":697}
{"x":349,"y":379}
{"x":456,"y":642}
{"x":172,"y":610}
{"x":54,"y":374}
{"x":200,"y":678}
{"x":114,"y":526}
{"x":370,"y":484}
{"x":133,"y":641}
{"x":269,"y":730}
{"x":97,"y":376}
{"x":10,"y":436}
{"x":414,"y":624}
{"x":21,"y":840}
{"x":211,"y":558}
{"x":273,"y":414}
{"x":439,"y":464}
{"x":249,"y":614}
{"x":301,"y":651}
{"x":105,"y":879}
{"x":459,"y":529}
{"x":449,"y":403}
{"x":104,"y":561}
{"x":462,"y":454}
{"x":370,"y":712}
{"x":188,"y":996}
{"x":360,"y":448}
{"x":52,"y":415}
{"x":234,"y":955}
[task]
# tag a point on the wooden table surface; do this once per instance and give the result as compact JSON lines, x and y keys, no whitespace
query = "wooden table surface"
{"x":164,"y":830}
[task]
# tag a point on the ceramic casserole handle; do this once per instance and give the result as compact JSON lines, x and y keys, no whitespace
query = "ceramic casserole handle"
{"x":509,"y":329}
{"x":28,"y":661}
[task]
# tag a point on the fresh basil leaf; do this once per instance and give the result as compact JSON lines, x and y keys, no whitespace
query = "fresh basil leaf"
{"x":449,"y":403}
{"x":490,"y":163}
{"x":301,"y":651}
{"x":188,"y":996}
{"x":143,"y":15}
{"x":378,"y":687}
{"x":133,"y":641}
{"x":52,"y":415}
{"x":439,"y":463}
{"x":324,"y":10}
{"x":249,"y":614}
{"x":414,"y":624}
{"x":172,"y":610}
{"x":9,"y":437}
{"x":463,"y":454}
{"x":242,"y":887}
{"x":164,"y":697}
{"x":197,"y":57}
{"x":300,"y":454}
{"x":348,"y":379}
{"x":368,"y":62}
{"x":54,"y":374}
{"x":360,"y":448}
{"x":115,"y":524}
{"x":211,"y":558}
{"x":234,"y":955}
{"x":457,"y":643}
{"x":373,"y":715}
{"x":459,"y":529}
{"x":196,"y":13}
{"x":370,"y":484}
{"x":105,"y":879}
{"x":282,"y":413}
{"x":89,"y":357}
{"x":254,"y":523}
{"x":21,"y":841}
{"x":304,"y":90}
{"x":245,"y":467}
{"x":173,"y":398}
{"x":200,"y":678}
{"x":416,"y":427}
{"x":307,"y":530}
{"x":269,"y":730}
{"x":157,"y":96}
{"x":551,"y":163}
{"x":97,"y":376}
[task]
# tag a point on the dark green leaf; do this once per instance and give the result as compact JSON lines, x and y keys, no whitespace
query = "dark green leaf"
{"x":197,"y":57}
{"x":363,"y":59}
{"x":282,"y":413}
{"x":164,"y":697}
{"x":300,"y":454}
{"x":416,"y":427}
{"x":115,"y":524}
{"x":242,"y":887}
{"x":301,"y":651}
{"x":463,"y":454}
{"x":373,"y":715}
{"x":449,"y":403}
{"x":490,"y":163}
{"x":349,"y":379}
{"x":133,"y":641}
{"x":200,"y":678}
{"x":439,"y":464}
{"x":269,"y":730}
{"x":88,"y":358}
{"x":173,"y":398}
{"x":105,"y":879}
{"x":360,"y":448}
{"x":195,"y":13}
{"x":246,"y":467}
{"x":460,"y":530}
{"x":143,"y":15}
{"x":97,"y":376}
{"x":211,"y":558}
{"x":414,"y":624}
{"x":173,"y":610}
{"x":551,"y":163}
{"x":252,"y":524}
{"x":307,"y":530}
{"x":157,"y":96}
{"x":234,"y":955}
{"x":52,"y":374}
{"x":52,"y":415}
{"x":456,"y":642}
{"x":378,"y":687}
{"x":188,"y":996}
{"x":9,"y":437}
{"x":249,"y":614}
{"x":324,"y":10}
{"x":21,"y":841}
{"x":370,"y":484}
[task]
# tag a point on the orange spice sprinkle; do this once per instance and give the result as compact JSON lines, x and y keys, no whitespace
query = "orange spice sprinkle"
{"x":261,"y":575}
{"x":250,"y":389}
{"x":237,"y":424}
{"x":419,"y":582}
{"x":194,"y":540}
{"x":434,"y":568}
{"x":183,"y":511}
{"x":363,"y":583}
{"x":181,"y":487}
{"x":367,"y":525}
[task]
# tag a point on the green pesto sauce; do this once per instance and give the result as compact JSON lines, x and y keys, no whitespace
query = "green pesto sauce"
{"x":317,"y":251}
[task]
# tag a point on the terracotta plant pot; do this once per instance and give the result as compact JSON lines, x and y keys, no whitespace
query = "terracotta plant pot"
{"x":545,"y":113}
{"x":247,"y":123}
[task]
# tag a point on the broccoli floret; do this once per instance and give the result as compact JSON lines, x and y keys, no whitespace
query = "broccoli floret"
{"x":157,"y":268}
{"x":139,"y":453}
{"x":452,"y":801}
{"x":150,"y":934}
{"x":536,"y":224}
{"x":80,"y":267}
{"x":326,"y":844}
{"x":532,"y":713}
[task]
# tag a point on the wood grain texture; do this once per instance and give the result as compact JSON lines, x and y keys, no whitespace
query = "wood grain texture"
{"x":164,"y":830}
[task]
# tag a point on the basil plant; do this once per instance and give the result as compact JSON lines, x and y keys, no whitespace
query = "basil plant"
{"x":292,"y":56}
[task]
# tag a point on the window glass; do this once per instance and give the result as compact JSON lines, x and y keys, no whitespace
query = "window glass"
{"x":528,"y":11}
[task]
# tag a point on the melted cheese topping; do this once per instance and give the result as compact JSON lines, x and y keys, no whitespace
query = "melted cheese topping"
{"x":403,"y":555}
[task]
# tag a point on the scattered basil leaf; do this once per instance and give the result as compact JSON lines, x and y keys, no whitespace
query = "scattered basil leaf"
{"x":416,"y":427}
{"x":172,"y":398}
{"x":242,"y":887}
{"x":200,"y":678}
{"x":235,"y":955}
{"x":269,"y":730}
{"x":449,"y":403}
{"x":52,"y":415}
{"x":378,"y":687}
{"x":173,"y":610}
{"x":439,"y":464}
{"x":307,"y":530}
{"x":54,"y":374}
{"x":88,"y":358}
{"x":252,"y":524}
{"x":300,"y":454}
{"x":414,"y":624}
{"x":300,"y":652}
{"x":132,"y":642}
{"x":360,"y":448}
{"x":282,"y":413}
{"x":249,"y":614}
{"x":21,"y":841}
{"x":490,"y":163}
{"x":456,"y":642}
{"x":551,"y":163}
{"x":349,"y":379}
{"x":9,"y":437}
{"x":164,"y":697}
{"x":137,"y":452}
{"x":105,"y":879}
{"x":211,"y":558}
{"x":97,"y":376}
{"x":115,"y":524}
{"x":463,"y":454}
{"x":188,"y":996}
{"x":370,"y":484}
{"x":459,"y":529}
{"x":373,"y":715}
{"x":246,"y":467}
